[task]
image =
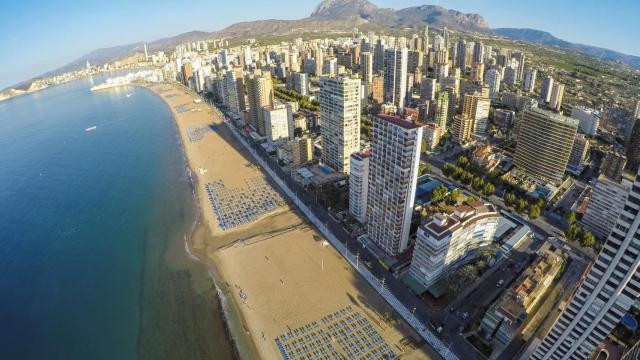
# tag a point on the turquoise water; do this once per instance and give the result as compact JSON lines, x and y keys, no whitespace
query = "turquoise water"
{"x":92,"y":226}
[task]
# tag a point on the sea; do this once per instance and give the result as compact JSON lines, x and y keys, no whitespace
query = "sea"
{"x":93,"y":262}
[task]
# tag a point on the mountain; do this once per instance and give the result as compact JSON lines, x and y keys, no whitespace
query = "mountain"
{"x":336,"y":15}
{"x":545,"y":38}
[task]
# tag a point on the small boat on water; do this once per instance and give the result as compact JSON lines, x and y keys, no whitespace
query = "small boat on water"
{"x":90,"y":128}
{"x":129,"y":95}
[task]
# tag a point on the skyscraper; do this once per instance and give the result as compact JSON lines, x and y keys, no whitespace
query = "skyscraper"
{"x":613,"y":165}
{"x":529,"y":81}
{"x":545,"y":89}
{"x":425,"y":38}
{"x":395,"y":156}
{"x":276,"y":123}
{"x":366,"y":66}
{"x":544,"y":144}
{"x":606,"y":203}
{"x":442,"y":109}
{"x":557,"y":93}
{"x":462,"y":127}
{"x":492,"y":78}
{"x":427,"y":89}
{"x":395,"y":77}
{"x":359,"y":185}
{"x":476,"y":108}
{"x":606,"y":294}
{"x":478,"y":52}
{"x":461,"y":54}
{"x":301,"y":83}
{"x":340,"y":118}
{"x":260,"y":94}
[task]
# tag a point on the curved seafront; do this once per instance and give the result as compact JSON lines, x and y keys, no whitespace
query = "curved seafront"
{"x":93,"y":261}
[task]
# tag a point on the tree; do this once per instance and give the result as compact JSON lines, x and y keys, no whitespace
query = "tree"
{"x":570,"y":218}
{"x":439,"y":193}
{"x":489,"y":189}
{"x":572,"y":233}
{"x":466,"y":177}
{"x":423,"y":169}
{"x":463,"y":161}
{"x":534,"y":212}
{"x":509,"y":199}
{"x":477,"y":184}
{"x":522,"y":205}
{"x":587,"y":239}
{"x":453,"y":196}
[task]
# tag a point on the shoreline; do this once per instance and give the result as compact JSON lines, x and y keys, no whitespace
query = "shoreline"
{"x":240,"y":342}
{"x":274,"y":272}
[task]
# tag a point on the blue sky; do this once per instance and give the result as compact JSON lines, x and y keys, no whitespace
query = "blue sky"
{"x":40,"y":35}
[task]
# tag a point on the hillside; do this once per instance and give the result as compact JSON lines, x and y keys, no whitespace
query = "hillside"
{"x":545,"y":38}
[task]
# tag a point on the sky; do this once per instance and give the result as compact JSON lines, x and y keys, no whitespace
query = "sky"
{"x":41,"y":35}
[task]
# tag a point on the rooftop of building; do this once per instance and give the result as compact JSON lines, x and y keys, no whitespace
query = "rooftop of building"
{"x":400,"y":121}
{"x":360,"y":155}
{"x":441,"y":225}
{"x":552,"y":115}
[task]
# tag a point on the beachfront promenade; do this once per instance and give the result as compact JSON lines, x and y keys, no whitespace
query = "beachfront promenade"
{"x":329,"y":229}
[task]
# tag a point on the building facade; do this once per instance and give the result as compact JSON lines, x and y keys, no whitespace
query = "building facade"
{"x":448,"y":240}
{"x":340,"y":119}
{"x":606,"y":203}
{"x":359,"y":185}
{"x":395,"y":77}
{"x":606,"y":294}
{"x":395,"y":156}
{"x":544,"y":144}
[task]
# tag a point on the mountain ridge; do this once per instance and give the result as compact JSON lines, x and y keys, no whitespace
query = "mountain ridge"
{"x":548,"y":39}
{"x":344,"y":15}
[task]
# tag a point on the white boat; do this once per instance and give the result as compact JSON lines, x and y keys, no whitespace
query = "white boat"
{"x":129,"y":95}
{"x":90,"y":128}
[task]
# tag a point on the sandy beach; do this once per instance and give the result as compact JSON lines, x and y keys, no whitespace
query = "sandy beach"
{"x":294,"y":292}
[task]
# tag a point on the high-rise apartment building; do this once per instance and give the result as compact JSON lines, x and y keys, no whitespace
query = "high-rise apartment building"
{"x":395,"y":77}
{"x":545,"y":89}
{"x":606,"y":203}
{"x":442,"y":109}
{"x":544,"y":144}
{"x":492,"y":78}
{"x":239,"y":74}
{"x":609,"y":290}
{"x":529,"y":81}
{"x":276,"y":123}
{"x":301,"y":83}
{"x":301,"y":150}
{"x":461,"y":54}
{"x":393,"y":170}
{"x":476,"y":108}
{"x":359,"y":185}
{"x":230,"y":92}
{"x":478,"y":52}
{"x":446,"y":240}
{"x":260,"y":94}
{"x":462,"y":128}
{"x":557,"y":93}
{"x":579,"y":152}
{"x":340,"y":118}
{"x":589,"y":119}
{"x":366,"y":66}
{"x":613,"y":165}
{"x":427,"y":89}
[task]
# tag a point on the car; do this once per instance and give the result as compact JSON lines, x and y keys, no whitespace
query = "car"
{"x":499,"y":283}
{"x":439,"y":329}
{"x":465,"y":315}
{"x":451,"y":309}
